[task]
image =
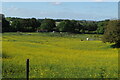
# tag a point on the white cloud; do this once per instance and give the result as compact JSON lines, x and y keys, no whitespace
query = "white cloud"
{"x":56,"y":3}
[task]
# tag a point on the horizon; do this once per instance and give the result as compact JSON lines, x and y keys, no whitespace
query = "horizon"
{"x":91,"y":11}
{"x":58,"y":18}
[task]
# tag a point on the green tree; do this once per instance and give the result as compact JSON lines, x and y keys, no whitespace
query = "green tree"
{"x":24,"y":25}
{"x":66,"y":26}
{"x":76,"y":26}
{"x":5,"y":24}
{"x":61,"y":26}
{"x":15,"y":25}
{"x":47,"y":24}
{"x":34,"y":24}
{"x":101,"y":26}
{"x":88,"y":26}
{"x":112,"y":32}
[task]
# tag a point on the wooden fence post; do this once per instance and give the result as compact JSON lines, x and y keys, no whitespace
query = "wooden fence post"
{"x":27,"y":69}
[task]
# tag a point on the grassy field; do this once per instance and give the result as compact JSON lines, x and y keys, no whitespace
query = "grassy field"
{"x":54,"y":55}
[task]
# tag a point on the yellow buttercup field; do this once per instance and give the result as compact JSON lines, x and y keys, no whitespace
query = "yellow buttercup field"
{"x":55,"y":55}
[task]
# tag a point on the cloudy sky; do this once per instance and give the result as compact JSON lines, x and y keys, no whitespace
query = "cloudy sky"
{"x":96,"y":10}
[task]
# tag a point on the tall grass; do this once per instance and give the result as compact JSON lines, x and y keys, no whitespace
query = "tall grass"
{"x":53,"y":56}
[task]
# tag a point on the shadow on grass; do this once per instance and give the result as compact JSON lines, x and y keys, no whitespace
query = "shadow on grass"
{"x":115,"y":46}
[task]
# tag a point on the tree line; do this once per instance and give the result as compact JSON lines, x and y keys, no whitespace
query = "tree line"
{"x":110,"y":28}
{"x":12,"y":24}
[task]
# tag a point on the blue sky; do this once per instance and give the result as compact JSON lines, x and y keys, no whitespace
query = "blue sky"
{"x":62,"y":10}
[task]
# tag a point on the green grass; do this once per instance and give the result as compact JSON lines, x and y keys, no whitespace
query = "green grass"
{"x":58,"y":56}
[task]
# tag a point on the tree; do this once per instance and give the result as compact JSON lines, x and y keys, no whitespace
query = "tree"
{"x":24,"y":25}
{"x":90,"y":26}
{"x":112,"y":32}
{"x":61,"y":26}
{"x":34,"y":24}
{"x":101,"y":25}
{"x":47,"y":24}
{"x":100,"y":29}
{"x":67,"y":26}
{"x":5,"y":24}
{"x":15,"y":25}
